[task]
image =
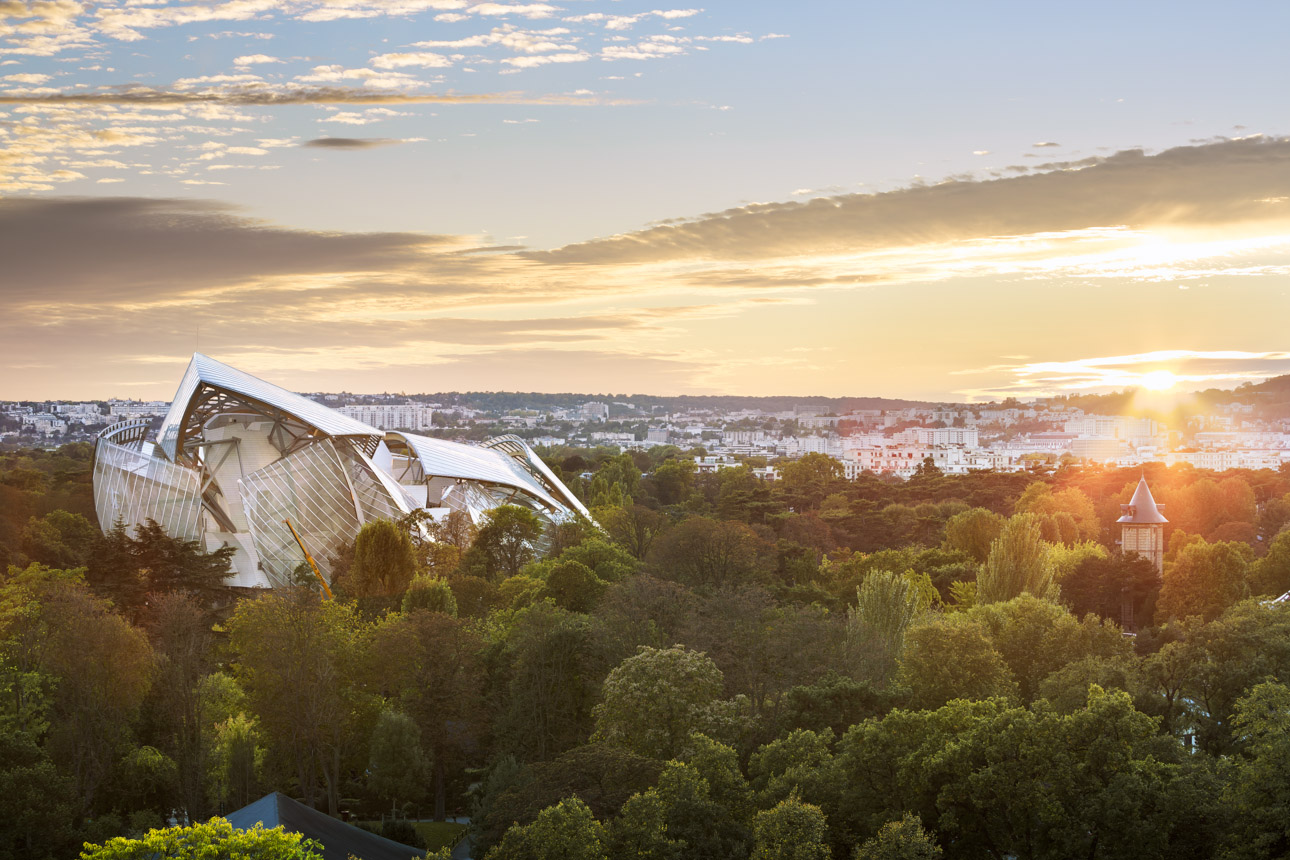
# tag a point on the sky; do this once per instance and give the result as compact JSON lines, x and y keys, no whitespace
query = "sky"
{"x":940,"y":201}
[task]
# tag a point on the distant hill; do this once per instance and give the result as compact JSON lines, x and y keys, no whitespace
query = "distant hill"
{"x":501,"y":401}
{"x":1270,"y":397}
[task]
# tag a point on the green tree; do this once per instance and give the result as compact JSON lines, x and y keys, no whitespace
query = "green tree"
{"x":799,"y":763}
{"x":59,"y":540}
{"x":886,"y":604}
{"x":633,"y":528}
{"x":1034,"y":783}
{"x":656,"y":699}
{"x":904,"y":839}
{"x":504,"y":543}
{"x":1204,"y":580}
{"x":1018,"y":562}
{"x":384,"y":561}
{"x":236,"y":762}
{"x":791,"y":830}
{"x":806,"y":481}
{"x":973,"y":531}
{"x":550,"y":663}
{"x":215,"y":838}
{"x":952,"y":658}
{"x":300,"y":660}
{"x":1258,"y":795}
{"x":573,"y":586}
{"x":181,"y":634}
{"x":397,"y":770}
{"x":679,"y":818}
{"x":36,"y":814}
{"x":566,"y":831}
{"x":609,"y":561}
{"x":129,"y":569}
{"x":430,"y":593}
{"x":1105,"y":586}
{"x":1070,"y":504}
{"x":673,"y":481}
{"x":1270,"y":575}
{"x":707,"y":553}
{"x":173,"y":564}
{"x":428,"y":663}
{"x":1036,"y":638}
{"x":98,"y":666}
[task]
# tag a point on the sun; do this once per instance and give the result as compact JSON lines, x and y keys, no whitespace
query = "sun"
{"x":1158,"y":380}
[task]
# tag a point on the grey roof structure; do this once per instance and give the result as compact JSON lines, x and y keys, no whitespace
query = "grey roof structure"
{"x":339,"y":840}
{"x":205,"y":372}
{"x":1142,"y":508}
{"x":237,"y":457}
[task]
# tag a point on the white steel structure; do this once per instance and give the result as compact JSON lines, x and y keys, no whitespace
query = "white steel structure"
{"x":237,"y":456}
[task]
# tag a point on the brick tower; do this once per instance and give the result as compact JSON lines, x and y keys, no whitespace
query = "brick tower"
{"x":1142,"y":526}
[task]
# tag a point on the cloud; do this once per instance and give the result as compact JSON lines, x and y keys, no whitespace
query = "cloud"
{"x":1215,"y":184}
{"x":1041,"y":144}
{"x":134,"y":247}
{"x":524,"y":10}
{"x":352,"y":142}
{"x":254,"y":59}
{"x":423,"y":60}
{"x":545,"y":59}
{"x":1190,"y":369}
{"x":26,"y":79}
{"x":653,"y":48}
{"x":269,"y":96}
{"x":366,"y":117}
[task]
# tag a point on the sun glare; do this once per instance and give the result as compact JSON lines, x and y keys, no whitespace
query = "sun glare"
{"x":1158,"y":380}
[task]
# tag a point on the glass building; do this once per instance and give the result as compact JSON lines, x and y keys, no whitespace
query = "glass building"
{"x":236,"y":457}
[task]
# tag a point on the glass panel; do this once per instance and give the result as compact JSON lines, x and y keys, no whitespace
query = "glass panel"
{"x":376,"y":497}
{"x":309,"y":488}
{"x":134,"y":487}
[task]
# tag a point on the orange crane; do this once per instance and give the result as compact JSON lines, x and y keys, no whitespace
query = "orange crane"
{"x":309,"y":558}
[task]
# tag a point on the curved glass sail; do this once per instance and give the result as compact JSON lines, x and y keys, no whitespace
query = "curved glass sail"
{"x":235,"y":457}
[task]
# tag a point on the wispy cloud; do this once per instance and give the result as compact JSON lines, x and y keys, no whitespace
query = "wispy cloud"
{"x":353,"y":142}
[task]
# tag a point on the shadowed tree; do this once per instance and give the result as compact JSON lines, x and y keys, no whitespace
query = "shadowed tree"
{"x":299,"y":659}
{"x":430,"y":593}
{"x":429,"y":663}
{"x":384,"y":561}
{"x":504,"y":543}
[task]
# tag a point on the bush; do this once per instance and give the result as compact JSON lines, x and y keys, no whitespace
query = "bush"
{"x":402,"y":830}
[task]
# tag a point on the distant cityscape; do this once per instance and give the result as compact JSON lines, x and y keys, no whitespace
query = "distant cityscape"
{"x":958,"y":438}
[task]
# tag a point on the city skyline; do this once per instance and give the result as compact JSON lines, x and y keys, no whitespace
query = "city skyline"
{"x":930,"y":203}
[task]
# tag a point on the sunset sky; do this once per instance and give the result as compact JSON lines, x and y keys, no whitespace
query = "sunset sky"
{"x":930,"y":200}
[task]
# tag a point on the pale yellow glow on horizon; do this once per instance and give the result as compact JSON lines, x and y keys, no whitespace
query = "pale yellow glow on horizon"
{"x":1159,"y":380}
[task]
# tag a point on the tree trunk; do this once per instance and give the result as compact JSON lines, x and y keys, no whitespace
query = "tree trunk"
{"x":440,"y":799}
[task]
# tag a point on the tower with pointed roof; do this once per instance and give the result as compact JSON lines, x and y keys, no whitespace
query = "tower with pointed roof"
{"x":1142,"y":526}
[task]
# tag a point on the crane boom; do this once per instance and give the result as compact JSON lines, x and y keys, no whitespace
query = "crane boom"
{"x":309,"y":558}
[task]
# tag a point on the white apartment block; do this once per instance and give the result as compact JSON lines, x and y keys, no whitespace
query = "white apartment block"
{"x":45,"y":423}
{"x":384,"y":416}
{"x":968,"y":437}
{"x":594,"y":411}
{"x":797,"y":446}
{"x":122,"y":409}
